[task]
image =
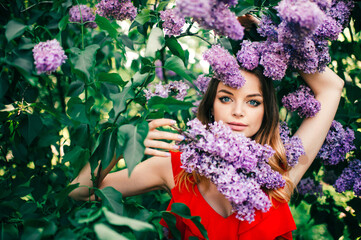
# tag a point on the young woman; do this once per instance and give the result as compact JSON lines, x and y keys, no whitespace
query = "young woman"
{"x":251,"y":110}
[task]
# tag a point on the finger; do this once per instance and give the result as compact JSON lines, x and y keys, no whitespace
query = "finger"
{"x":154,"y":152}
{"x":155,"y":134}
{"x":160,"y":144}
{"x":160,"y":123}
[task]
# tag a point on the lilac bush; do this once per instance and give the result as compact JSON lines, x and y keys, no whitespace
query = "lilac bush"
{"x":202,"y":83}
{"x":237,"y":165}
{"x":82,"y":14}
{"x":48,"y":56}
{"x":248,"y":56}
{"x":178,"y":89}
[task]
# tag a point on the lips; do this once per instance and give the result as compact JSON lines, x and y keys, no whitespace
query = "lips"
{"x":237,"y":126}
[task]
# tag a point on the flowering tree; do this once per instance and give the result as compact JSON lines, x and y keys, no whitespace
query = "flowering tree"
{"x":80,"y":79}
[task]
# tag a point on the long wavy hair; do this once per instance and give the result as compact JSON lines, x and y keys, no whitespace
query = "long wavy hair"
{"x":267,"y":134}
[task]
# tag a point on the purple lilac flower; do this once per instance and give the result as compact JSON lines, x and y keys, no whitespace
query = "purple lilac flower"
{"x":116,"y":9}
{"x":305,"y":56}
{"x":225,"y":66}
{"x":329,"y":29}
{"x":324,"y":5}
{"x":249,"y":55}
{"x":229,"y":2}
{"x":274,"y":59}
{"x":202,"y":83}
{"x":293,"y":145}
{"x":309,"y":186}
{"x":237,"y":165}
{"x":350,"y":178}
{"x":178,"y":89}
{"x":302,"y":16}
{"x":173,"y":23}
{"x":212,"y":14}
{"x":82,"y":12}
{"x":48,"y":56}
{"x":323,"y":54}
{"x":267,"y":28}
{"x":302,"y":101}
{"x":338,"y":142}
{"x":193,"y":8}
{"x":341,"y":11}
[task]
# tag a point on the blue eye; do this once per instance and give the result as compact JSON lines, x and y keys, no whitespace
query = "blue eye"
{"x":224,"y":99}
{"x":254,"y":103}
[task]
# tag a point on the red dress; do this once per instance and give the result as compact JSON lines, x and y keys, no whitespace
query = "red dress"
{"x":278,"y":221}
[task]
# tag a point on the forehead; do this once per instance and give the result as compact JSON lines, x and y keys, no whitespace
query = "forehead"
{"x":251,"y":86}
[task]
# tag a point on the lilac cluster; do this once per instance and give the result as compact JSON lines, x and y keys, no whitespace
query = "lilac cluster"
{"x":173,"y":23}
{"x":225,"y":66}
{"x":274,"y":59}
{"x":178,"y":89}
{"x":214,"y":15}
{"x":48,"y":56}
{"x":293,"y":145}
{"x":302,"y":101}
{"x":249,"y":55}
{"x":116,"y":9}
{"x":237,"y":165}
{"x":82,"y":14}
{"x":300,"y":40}
{"x":337,"y":144}
{"x":309,"y":186}
{"x":202,"y":83}
{"x":350,"y":178}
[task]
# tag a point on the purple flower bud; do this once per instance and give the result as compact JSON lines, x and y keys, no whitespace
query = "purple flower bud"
{"x":350,"y":178}
{"x":202,"y":83}
{"x":249,"y":55}
{"x":309,"y":186}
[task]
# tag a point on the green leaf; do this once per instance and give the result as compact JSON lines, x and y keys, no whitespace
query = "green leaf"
{"x":104,"y":232}
{"x":77,"y":157}
{"x":63,"y":23}
{"x":170,"y":105}
{"x":171,"y":221}
{"x":176,"y":64}
{"x":107,"y":146}
{"x":114,"y":78}
{"x":111,"y":198}
{"x":14,"y":29}
{"x":139,"y":79}
{"x":182,"y":210}
{"x":162,"y":5}
{"x":143,"y":16}
{"x":126,"y":41}
{"x":155,"y":42}
{"x":62,"y":196}
{"x":104,"y":24}
{"x":31,"y":128}
{"x":77,"y":110}
{"x":84,"y":60}
{"x":120,"y":99}
{"x":90,"y":217}
{"x":134,"y":143}
{"x":175,"y":47}
{"x":134,"y":224}
{"x":76,"y":88}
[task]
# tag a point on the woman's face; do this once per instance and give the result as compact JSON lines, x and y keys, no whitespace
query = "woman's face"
{"x":241,"y":109}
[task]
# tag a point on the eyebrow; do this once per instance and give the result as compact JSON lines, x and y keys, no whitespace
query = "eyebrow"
{"x":250,"y":95}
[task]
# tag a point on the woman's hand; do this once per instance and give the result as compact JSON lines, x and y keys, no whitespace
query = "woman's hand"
{"x":153,"y":135}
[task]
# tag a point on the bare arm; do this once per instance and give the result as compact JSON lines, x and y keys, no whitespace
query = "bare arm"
{"x":154,"y":173}
{"x":327,"y":87}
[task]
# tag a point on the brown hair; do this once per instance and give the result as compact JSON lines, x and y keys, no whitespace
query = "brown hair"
{"x":267,"y":134}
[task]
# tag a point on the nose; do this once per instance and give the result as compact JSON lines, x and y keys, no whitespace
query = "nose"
{"x":238,"y":110}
